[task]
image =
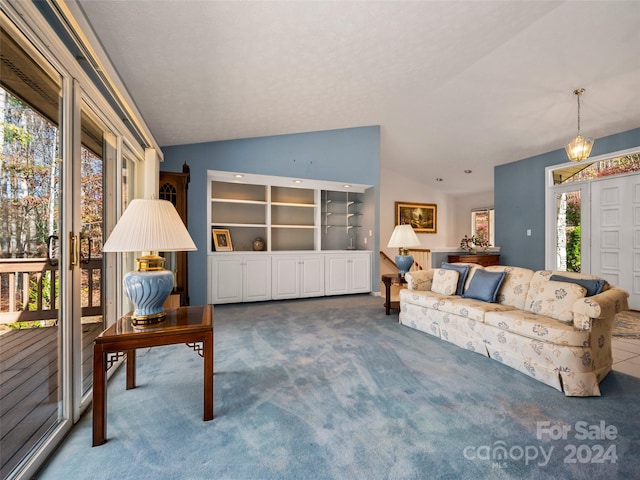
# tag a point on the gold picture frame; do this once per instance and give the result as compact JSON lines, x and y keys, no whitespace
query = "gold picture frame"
{"x":221,"y":240}
{"x":423,"y":217}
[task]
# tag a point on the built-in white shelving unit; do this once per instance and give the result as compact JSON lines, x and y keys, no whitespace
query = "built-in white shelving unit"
{"x":309,"y":231}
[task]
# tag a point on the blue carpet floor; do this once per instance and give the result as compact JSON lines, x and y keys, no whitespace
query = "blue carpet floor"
{"x":334,"y":389}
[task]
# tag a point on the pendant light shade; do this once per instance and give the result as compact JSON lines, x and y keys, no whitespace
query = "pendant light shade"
{"x":579,"y":148}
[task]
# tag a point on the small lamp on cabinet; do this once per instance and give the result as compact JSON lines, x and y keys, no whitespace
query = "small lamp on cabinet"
{"x":403,"y":237}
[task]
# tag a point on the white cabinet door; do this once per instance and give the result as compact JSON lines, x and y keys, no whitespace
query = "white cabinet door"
{"x":294,"y":276}
{"x":360,"y":266}
{"x":337,"y":273}
{"x":311,"y":276}
{"x":225,"y":279}
{"x":238,"y":278}
{"x":285,"y":276}
{"x":347,"y":273}
{"x":256,"y":274}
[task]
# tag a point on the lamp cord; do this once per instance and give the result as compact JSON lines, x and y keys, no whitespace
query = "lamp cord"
{"x":578,"y":114}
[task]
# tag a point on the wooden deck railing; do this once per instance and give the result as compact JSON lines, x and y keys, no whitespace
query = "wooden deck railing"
{"x":29,"y":289}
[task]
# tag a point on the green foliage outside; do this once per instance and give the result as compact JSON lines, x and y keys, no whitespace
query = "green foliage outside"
{"x":573,"y":211}
{"x":46,"y":292}
{"x":573,"y":250}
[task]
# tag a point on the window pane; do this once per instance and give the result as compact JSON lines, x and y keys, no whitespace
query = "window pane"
{"x":604,"y":168}
{"x":31,"y":373}
{"x":568,"y":231}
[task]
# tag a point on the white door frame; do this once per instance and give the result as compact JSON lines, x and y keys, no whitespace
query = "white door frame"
{"x":585,"y":195}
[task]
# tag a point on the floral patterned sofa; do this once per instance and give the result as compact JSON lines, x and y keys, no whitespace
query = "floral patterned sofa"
{"x":540,"y":323}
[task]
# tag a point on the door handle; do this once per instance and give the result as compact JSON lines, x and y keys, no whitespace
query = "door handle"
{"x":75,"y":250}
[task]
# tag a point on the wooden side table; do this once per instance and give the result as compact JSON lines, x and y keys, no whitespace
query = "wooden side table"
{"x":484,"y":259}
{"x":388,"y":280}
{"x":190,"y":325}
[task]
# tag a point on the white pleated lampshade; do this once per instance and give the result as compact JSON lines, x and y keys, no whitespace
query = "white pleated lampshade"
{"x":149,"y":226}
{"x":403,"y":236}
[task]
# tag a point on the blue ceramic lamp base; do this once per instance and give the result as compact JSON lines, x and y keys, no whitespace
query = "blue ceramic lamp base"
{"x":148,"y":290}
{"x":404,"y":263}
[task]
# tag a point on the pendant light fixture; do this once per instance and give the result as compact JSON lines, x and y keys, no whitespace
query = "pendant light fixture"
{"x":579,"y":148}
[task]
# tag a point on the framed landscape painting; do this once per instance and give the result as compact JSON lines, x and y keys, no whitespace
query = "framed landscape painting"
{"x":423,"y":217}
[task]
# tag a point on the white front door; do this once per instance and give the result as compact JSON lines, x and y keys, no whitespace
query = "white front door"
{"x":615,"y":240}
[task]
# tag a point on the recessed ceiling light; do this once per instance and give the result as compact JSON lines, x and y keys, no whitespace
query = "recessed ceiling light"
{"x":346,"y":185}
{"x":468,"y":171}
{"x":439,"y":179}
{"x":238,"y":175}
{"x":297,"y":181}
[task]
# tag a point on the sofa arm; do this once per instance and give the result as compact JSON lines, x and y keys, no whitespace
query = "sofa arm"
{"x":605,"y":305}
{"x":419,"y":279}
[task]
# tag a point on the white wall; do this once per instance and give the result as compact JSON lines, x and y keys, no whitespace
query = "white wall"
{"x":462,"y":212}
{"x":454,"y":212}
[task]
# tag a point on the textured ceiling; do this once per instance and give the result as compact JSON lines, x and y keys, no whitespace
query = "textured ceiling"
{"x":453,"y":85}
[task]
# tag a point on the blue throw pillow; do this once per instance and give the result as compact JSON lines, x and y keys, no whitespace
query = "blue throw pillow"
{"x":484,"y":285}
{"x":593,"y":286}
{"x":463,"y":271}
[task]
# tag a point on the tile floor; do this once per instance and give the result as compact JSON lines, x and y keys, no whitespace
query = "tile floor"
{"x":626,"y":356}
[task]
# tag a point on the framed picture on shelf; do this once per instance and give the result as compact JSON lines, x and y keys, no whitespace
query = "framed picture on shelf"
{"x":221,"y":240}
{"x":423,"y":217}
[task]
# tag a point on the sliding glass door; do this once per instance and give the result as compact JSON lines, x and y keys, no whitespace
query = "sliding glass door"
{"x":57,"y":165}
{"x":35,"y":276}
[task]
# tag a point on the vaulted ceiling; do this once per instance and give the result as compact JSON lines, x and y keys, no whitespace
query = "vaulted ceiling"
{"x":454,"y":85}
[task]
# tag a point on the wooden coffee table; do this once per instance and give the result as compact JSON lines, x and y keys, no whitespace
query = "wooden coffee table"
{"x":190,"y":325}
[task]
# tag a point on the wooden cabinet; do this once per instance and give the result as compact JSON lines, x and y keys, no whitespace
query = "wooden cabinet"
{"x":295,"y":276}
{"x":347,"y":273}
{"x":239,"y":278}
{"x":486,"y":260}
{"x":173,"y":187}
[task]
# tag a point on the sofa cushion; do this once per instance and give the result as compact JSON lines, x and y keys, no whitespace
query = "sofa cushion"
{"x":470,"y":308}
{"x":538,"y":327}
{"x":515,"y":285}
{"x":593,"y":285}
{"x":444,"y":281}
{"x":423,"y":298}
{"x":555,"y":299}
{"x":484,"y":285}
{"x":419,"y":279}
{"x":463,"y":271}
{"x":473,"y":268}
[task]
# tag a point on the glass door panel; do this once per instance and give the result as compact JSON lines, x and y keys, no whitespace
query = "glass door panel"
{"x":96,"y":146}
{"x":568,"y":221}
{"x":32,"y":328}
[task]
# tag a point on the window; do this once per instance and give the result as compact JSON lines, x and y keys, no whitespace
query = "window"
{"x":482,"y":224}
{"x":579,"y":172}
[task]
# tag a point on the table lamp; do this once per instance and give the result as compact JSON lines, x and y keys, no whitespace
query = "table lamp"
{"x":403,"y":237}
{"x":149,"y":226}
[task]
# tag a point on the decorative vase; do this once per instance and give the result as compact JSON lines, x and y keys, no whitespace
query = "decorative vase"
{"x":404,"y":263}
{"x":258,"y":244}
{"x":473,"y":251}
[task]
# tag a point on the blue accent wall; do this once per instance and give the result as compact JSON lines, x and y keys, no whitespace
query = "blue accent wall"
{"x":345,"y":155}
{"x":519,"y":196}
